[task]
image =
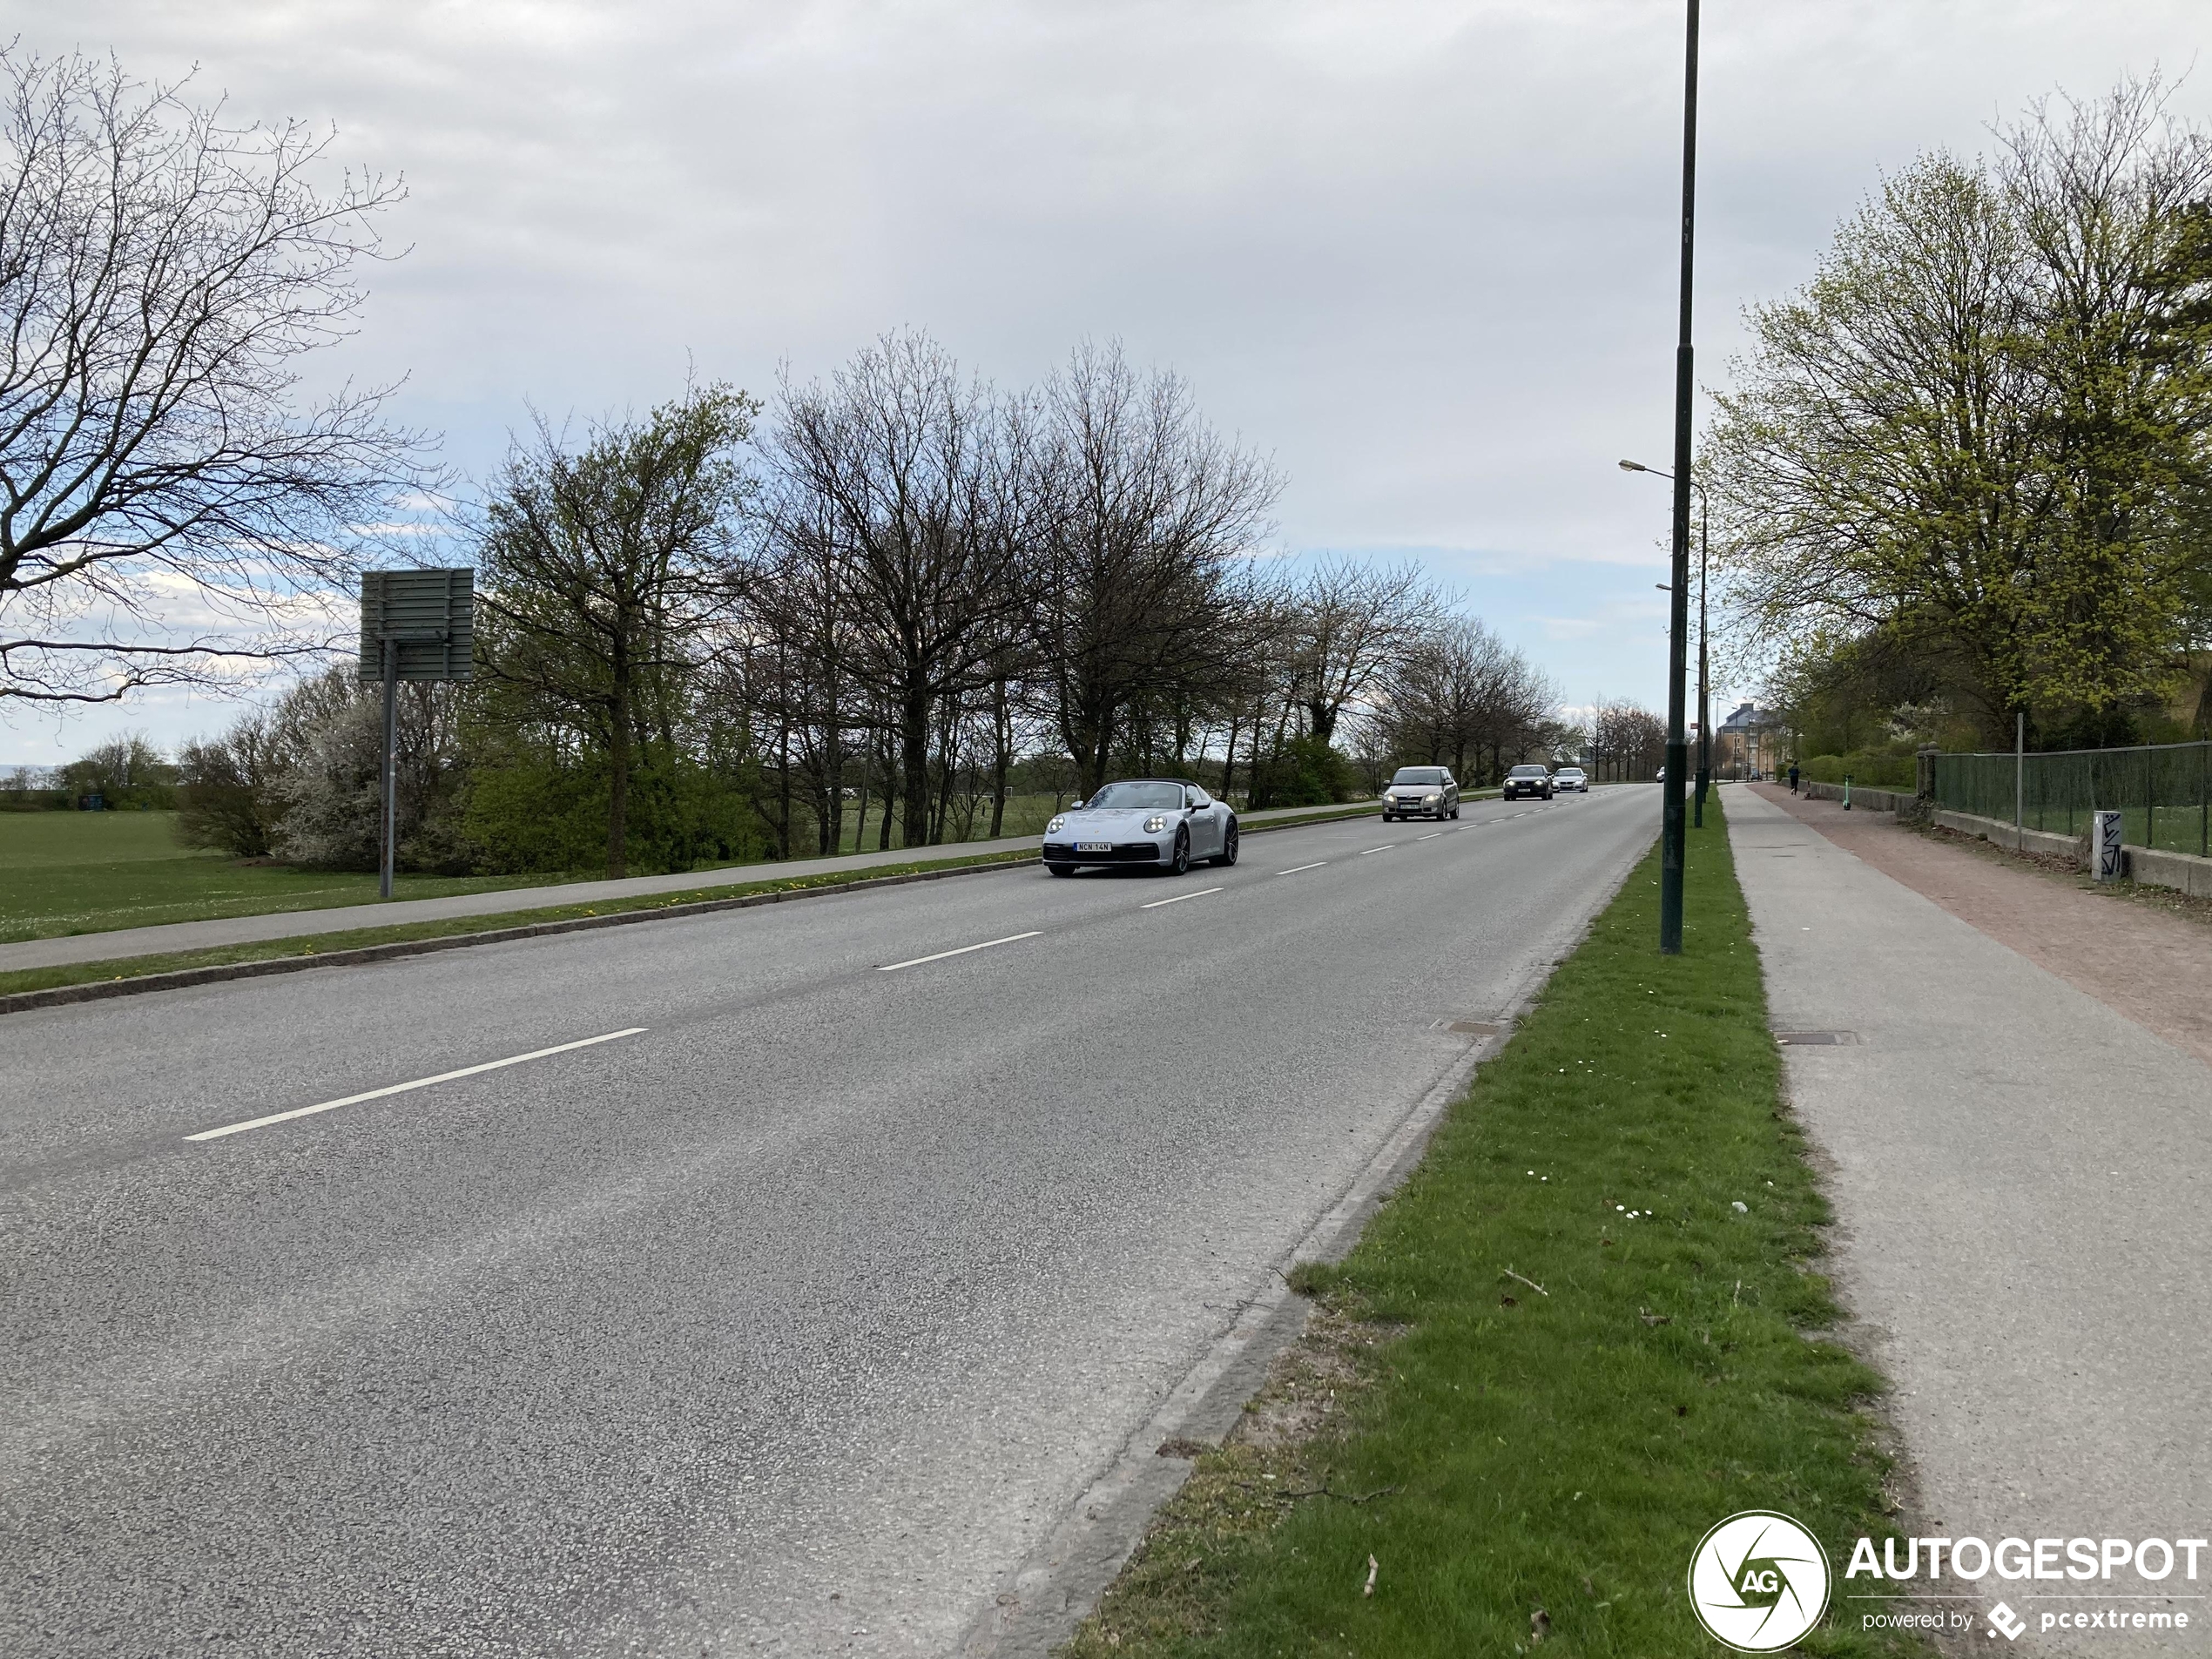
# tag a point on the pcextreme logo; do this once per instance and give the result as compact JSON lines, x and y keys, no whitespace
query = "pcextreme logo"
{"x":1758,"y":1581}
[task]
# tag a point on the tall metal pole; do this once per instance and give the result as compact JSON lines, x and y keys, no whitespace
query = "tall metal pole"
{"x":2019,"y":773}
{"x":391,"y":763}
{"x":1673,"y":829}
{"x":1705,"y":699}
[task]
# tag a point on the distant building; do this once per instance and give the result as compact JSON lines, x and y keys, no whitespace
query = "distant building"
{"x":1749,"y":744}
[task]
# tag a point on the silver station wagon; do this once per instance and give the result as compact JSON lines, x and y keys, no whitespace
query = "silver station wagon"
{"x":1155,"y":821}
{"x":1421,"y":791}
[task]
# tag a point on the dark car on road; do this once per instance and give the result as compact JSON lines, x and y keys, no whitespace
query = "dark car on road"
{"x":1523,"y":782}
{"x":1421,"y":791}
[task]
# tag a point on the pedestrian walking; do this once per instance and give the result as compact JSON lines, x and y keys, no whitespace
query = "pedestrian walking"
{"x":1793,"y":777}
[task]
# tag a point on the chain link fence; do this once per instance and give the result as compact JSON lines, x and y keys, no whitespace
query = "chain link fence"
{"x":2163,"y":792}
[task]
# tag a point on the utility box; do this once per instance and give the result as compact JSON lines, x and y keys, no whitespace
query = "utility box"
{"x":2107,"y":858}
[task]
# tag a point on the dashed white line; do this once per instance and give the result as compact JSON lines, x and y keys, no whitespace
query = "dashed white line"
{"x":402,"y":1089}
{"x":1431,"y":836}
{"x":1178,"y":898}
{"x":939,"y":957}
{"x":1298,"y":869}
{"x":1378,"y":849}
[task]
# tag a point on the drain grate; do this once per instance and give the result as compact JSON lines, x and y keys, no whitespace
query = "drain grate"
{"x":1470,"y":1027}
{"x":1816,"y":1039}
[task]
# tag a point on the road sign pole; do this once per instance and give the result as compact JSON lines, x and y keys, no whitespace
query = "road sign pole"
{"x":391,"y":764}
{"x":415,"y":625}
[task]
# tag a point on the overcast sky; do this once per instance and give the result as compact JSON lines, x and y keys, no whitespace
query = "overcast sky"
{"x":1421,"y":253}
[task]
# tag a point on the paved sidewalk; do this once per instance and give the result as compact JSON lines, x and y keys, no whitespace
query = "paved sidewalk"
{"x":2156,"y":970}
{"x":2023,"y":1183}
{"x":291,"y":924}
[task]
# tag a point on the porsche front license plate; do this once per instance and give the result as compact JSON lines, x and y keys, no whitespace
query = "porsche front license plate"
{"x":1094,"y":846}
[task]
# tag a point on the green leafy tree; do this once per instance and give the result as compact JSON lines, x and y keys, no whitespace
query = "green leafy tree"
{"x":1979,"y":434}
{"x":603,"y":572}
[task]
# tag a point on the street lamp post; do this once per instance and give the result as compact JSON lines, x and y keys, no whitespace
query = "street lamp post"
{"x":1705,"y":699}
{"x":1674,"y":832}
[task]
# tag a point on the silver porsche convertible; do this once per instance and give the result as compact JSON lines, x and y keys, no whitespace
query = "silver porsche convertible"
{"x":1151,"y":822}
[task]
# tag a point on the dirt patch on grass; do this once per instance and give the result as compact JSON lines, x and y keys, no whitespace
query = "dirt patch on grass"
{"x":1312,"y":1381}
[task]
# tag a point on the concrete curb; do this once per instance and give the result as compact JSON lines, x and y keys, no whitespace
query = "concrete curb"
{"x":139,"y":984}
{"x":143,"y":984}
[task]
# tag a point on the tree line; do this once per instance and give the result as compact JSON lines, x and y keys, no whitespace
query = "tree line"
{"x":1965,"y":474}
{"x":892,"y":606}
{"x":875,"y":612}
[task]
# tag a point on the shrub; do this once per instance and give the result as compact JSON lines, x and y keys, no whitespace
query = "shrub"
{"x":1870,"y":768}
{"x":224,"y":799}
{"x":1305,"y":771}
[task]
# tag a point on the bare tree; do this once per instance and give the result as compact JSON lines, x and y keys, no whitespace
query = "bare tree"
{"x":162,"y":274}
{"x":1628,"y":742}
{"x":1138,"y":576}
{"x":1440,"y":691}
{"x":1352,"y":618}
{"x":923,"y":482}
{"x":1454,"y":690}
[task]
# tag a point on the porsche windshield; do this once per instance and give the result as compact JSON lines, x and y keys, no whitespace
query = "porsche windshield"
{"x":1419,"y":775}
{"x":1129,"y":797}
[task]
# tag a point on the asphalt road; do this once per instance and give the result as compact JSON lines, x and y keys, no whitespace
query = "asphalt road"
{"x":787,"y":1323}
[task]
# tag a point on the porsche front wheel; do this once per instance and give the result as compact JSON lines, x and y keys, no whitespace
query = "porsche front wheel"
{"x":1179,"y":863}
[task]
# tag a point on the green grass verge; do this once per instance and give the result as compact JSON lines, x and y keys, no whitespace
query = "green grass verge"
{"x":84,"y":872}
{"x":1496,"y":1449}
{"x":63,"y":874}
{"x":40,"y":978}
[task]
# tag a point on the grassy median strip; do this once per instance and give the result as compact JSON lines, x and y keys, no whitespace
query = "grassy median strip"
{"x":1586,"y":1330}
{"x":39,"y":978}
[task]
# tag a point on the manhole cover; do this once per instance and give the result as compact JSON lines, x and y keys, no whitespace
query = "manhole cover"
{"x":1816,"y":1039}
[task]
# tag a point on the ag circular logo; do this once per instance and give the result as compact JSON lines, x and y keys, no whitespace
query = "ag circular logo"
{"x":1759,"y":1581}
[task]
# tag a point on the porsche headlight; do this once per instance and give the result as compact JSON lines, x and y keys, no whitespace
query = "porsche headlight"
{"x":1059,"y":823}
{"x":1155,"y":823}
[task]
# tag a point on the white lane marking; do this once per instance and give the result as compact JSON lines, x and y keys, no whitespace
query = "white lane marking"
{"x":916,"y":961}
{"x":1178,"y":898}
{"x":1431,"y":836}
{"x":1378,"y":849}
{"x":1296,"y":869}
{"x":402,"y":1089}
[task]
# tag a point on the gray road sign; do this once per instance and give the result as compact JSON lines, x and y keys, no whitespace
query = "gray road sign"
{"x":415,"y":625}
{"x":427,"y":616}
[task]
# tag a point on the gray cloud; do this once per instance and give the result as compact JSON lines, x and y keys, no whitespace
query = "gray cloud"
{"x":1422,"y":252}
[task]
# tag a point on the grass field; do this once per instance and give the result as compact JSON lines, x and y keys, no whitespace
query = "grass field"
{"x":1557,"y":1358}
{"x":82,"y":873}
